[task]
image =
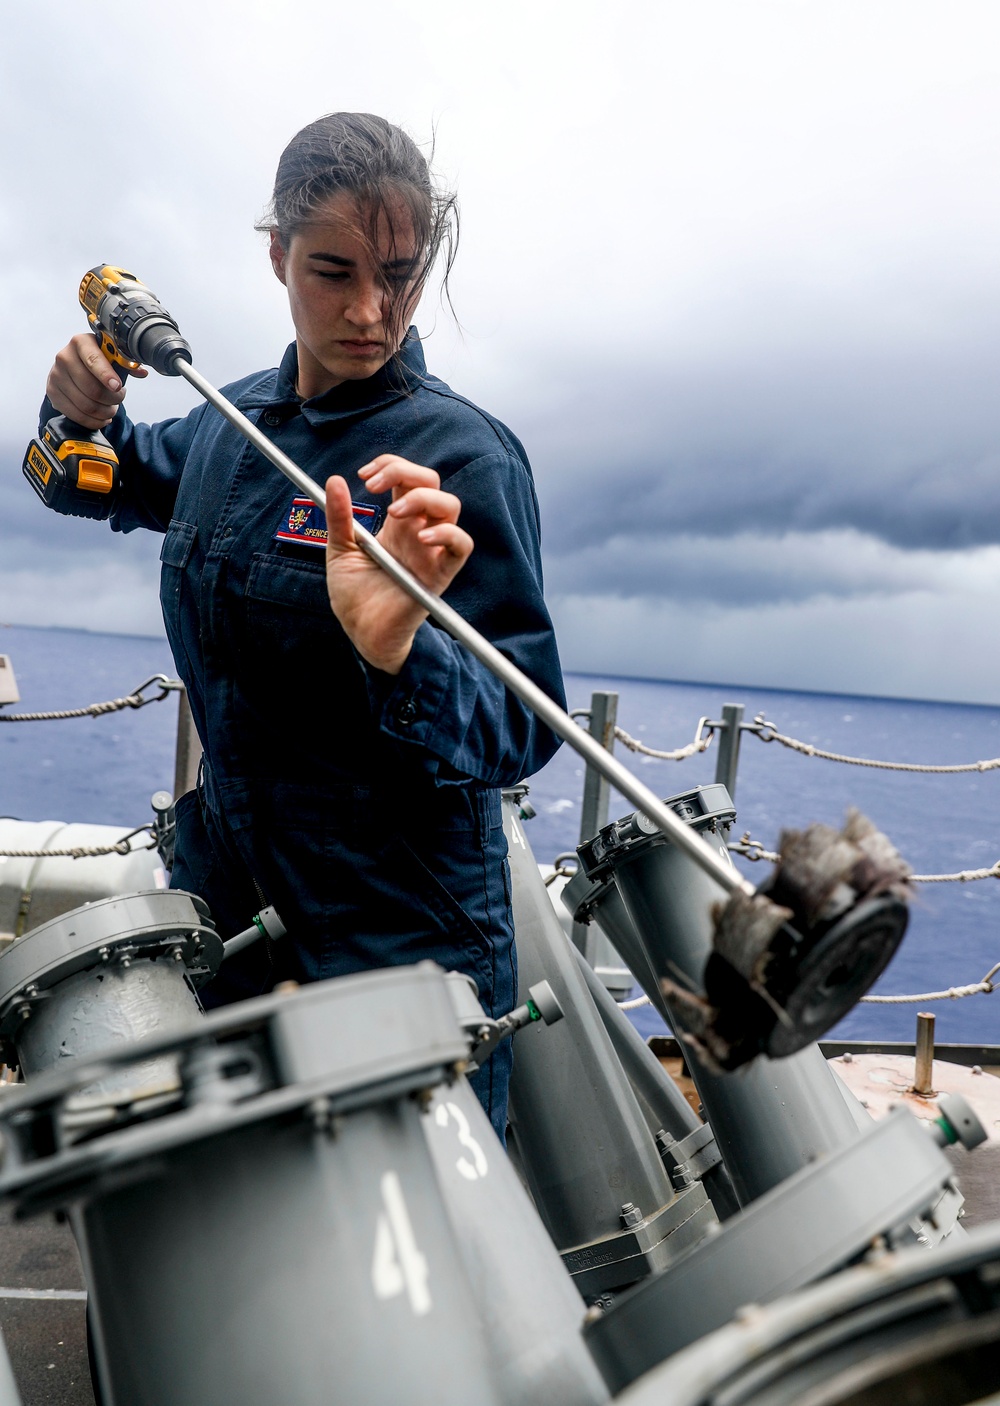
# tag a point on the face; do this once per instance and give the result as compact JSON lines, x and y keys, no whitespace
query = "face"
{"x":340,"y":292}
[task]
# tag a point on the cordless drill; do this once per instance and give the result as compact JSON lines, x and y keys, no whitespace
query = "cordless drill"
{"x":75,"y":470}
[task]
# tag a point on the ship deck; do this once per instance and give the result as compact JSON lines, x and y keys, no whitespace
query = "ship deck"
{"x":43,"y":1311}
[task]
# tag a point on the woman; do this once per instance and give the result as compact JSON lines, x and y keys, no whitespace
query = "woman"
{"x":353,"y":759}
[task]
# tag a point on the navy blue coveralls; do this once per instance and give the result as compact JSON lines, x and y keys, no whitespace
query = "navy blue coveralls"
{"x":365,"y":807}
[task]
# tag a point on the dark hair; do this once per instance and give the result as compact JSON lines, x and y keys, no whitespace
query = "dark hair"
{"x":380,"y":165}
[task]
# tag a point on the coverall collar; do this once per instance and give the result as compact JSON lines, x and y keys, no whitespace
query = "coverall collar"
{"x":400,"y":376}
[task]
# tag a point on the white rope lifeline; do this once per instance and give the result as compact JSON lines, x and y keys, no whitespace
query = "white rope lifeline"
{"x":700,"y":744}
{"x":954,"y":993}
{"x":136,"y":699}
{"x":754,"y":851}
{"x":964,"y":876}
{"x":122,"y":846}
{"x":767,"y":732}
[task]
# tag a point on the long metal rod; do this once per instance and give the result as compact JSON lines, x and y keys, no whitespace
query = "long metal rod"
{"x":519,"y":684}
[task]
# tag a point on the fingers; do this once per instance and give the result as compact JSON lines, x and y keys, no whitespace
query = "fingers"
{"x":88,"y":348}
{"x":422,"y":520}
{"x":92,"y":362}
{"x":389,"y":471}
{"x":431,"y":503}
{"x":416,"y":492}
{"x":339,"y":519}
{"x":83,"y":384}
{"x":455,"y":543}
{"x":377,"y":614}
{"x":433,"y":519}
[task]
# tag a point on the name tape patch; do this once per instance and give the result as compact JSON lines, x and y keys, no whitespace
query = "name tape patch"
{"x":305,"y":523}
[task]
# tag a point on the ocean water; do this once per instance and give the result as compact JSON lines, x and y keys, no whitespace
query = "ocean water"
{"x":104,"y":770}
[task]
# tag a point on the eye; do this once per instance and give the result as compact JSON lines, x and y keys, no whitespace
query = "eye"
{"x":337,"y":276}
{"x":398,"y":274}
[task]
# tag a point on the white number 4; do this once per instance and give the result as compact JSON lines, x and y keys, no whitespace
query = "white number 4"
{"x":397,"y":1264}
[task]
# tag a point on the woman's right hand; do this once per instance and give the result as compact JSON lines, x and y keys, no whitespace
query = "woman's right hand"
{"x":84,"y":385}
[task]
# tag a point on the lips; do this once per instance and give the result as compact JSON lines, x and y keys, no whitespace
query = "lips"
{"x":362,"y":348}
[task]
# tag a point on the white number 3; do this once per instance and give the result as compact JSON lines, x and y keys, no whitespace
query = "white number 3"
{"x":478,"y":1166}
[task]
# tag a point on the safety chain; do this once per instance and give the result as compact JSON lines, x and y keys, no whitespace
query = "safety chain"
{"x":754,"y":851}
{"x":122,"y":846}
{"x":767,"y":732}
{"x":136,"y":699}
{"x":700,"y":743}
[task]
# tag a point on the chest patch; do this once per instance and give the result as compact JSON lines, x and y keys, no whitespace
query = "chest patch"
{"x":305,"y":524}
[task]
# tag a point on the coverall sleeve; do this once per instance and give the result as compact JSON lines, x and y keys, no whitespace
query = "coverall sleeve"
{"x":152,"y":459}
{"x":444,"y":700}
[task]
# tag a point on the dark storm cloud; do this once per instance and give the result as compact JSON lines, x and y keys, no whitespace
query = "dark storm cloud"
{"x":908,"y":452}
{"x":751,"y":569}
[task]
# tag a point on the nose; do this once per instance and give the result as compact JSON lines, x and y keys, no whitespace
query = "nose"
{"x":366,"y":306}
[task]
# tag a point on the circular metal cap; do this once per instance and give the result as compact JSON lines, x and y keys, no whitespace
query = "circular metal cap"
{"x":827,"y":981}
{"x":703,"y":808}
{"x":118,"y":929}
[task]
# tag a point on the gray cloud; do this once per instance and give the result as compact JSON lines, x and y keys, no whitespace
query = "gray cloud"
{"x":29,"y":528}
{"x":916,"y":644}
{"x":736,"y":288}
{"x":750,"y":569}
{"x":915,"y":461}
{"x":57,"y":570}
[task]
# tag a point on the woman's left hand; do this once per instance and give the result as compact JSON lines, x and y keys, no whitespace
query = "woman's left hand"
{"x":421,"y":531}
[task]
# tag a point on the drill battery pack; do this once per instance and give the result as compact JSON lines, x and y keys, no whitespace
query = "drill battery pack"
{"x":73,"y":470}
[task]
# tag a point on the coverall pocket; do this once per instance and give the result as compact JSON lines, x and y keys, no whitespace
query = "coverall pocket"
{"x":179,"y":611}
{"x":287,"y":583}
{"x":286,"y":611}
{"x":178,"y":544}
{"x":427,"y":890}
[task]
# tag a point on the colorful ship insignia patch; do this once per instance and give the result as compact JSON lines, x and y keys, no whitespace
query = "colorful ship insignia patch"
{"x":305,"y":523}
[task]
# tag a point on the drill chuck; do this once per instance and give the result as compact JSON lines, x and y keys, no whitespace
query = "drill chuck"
{"x":133,"y":326}
{"x":157,"y":344}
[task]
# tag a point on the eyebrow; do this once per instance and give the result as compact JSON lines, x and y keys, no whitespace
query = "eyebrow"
{"x":350,"y":263}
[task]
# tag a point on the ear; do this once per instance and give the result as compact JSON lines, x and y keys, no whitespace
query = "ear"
{"x":277,"y":252}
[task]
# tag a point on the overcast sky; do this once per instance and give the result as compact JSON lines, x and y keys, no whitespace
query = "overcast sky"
{"x":730,"y":270}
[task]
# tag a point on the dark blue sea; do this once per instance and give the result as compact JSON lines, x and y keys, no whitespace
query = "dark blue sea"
{"x":104,"y":771}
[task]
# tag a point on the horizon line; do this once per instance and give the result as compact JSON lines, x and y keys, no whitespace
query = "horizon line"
{"x":595,"y":674}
